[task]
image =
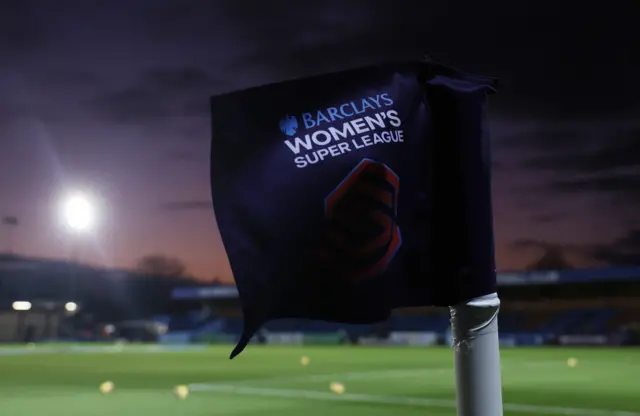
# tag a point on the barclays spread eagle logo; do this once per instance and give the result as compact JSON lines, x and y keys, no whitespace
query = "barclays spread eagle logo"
{"x":289,"y":125}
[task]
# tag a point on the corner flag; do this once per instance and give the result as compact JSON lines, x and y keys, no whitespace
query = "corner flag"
{"x":343,"y":196}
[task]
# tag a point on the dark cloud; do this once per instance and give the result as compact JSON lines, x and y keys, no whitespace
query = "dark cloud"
{"x":535,"y":244}
{"x":158,"y":96}
{"x":181,"y":79}
{"x":187,"y":205}
{"x":12,"y":113}
{"x":552,"y":61}
{"x":625,"y":251}
{"x":21,"y":30}
{"x":528,"y":243}
{"x":65,"y":78}
{"x":292,"y":39}
{"x":546,"y":218}
{"x":497,"y":166}
{"x":580,"y":63}
{"x":132,"y":105}
{"x":624,"y":185}
{"x":274,"y":25}
{"x":547,"y":137}
{"x":591,"y":159}
{"x":267,"y":42}
{"x":47,"y":93}
{"x":616,"y":150}
{"x":184,"y":156}
{"x":9,"y":112}
{"x":168,"y":20}
{"x":330,"y":36}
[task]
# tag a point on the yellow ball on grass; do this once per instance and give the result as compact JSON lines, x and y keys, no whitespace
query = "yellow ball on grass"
{"x":337,"y":388}
{"x":107,"y":387}
{"x":181,"y":392}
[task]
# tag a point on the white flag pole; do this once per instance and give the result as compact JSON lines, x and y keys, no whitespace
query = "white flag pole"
{"x":476,"y":351}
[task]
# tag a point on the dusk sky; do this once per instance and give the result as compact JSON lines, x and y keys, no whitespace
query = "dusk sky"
{"x":112,"y":98}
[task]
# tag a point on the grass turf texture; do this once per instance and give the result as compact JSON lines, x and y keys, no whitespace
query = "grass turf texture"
{"x":271,"y":381}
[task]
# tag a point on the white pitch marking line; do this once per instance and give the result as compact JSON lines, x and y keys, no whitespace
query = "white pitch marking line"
{"x":398,"y":400}
{"x":361,"y":375}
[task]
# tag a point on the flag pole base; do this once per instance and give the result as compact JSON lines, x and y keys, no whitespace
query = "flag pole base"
{"x":476,"y":351}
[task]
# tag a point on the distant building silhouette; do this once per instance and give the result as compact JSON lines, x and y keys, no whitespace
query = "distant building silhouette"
{"x":107,"y":294}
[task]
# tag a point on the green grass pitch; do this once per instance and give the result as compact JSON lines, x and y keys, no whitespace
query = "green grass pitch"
{"x":269,"y":381}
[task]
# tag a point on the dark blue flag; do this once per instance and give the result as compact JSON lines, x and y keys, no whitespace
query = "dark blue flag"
{"x":343,"y":196}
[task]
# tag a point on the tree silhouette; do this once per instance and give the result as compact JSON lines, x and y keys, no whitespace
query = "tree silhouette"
{"x":625,"y":251}
{"x":552,"y":259}
{"x":161,"y":265}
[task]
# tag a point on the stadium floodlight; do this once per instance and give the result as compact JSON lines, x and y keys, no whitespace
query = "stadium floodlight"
{"x":79,"y":212}
{"x":21,"y":306}
{"x":71,"y":307}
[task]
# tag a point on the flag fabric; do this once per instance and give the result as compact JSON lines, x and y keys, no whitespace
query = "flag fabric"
{"x":10,"y":220}
{"x":343,"y":196}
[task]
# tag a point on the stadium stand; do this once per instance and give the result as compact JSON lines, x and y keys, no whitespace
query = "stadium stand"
{"x":595,"y":306}
{"x":538,"y":308}
{"x":8,"y":327}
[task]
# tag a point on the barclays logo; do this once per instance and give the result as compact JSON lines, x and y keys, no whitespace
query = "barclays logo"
{"x":289,"y":125}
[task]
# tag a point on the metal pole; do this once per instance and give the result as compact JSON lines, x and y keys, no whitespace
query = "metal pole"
{"x":10,"y":238}
{"x":73,"y":273}
{"x":476,"y":350}
{"x":10,"y":223}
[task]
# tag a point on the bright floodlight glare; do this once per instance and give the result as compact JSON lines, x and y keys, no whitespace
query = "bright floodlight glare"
{"x":21,"y":306}
{"x":79,"y":213}
{"x":71,"y":306}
